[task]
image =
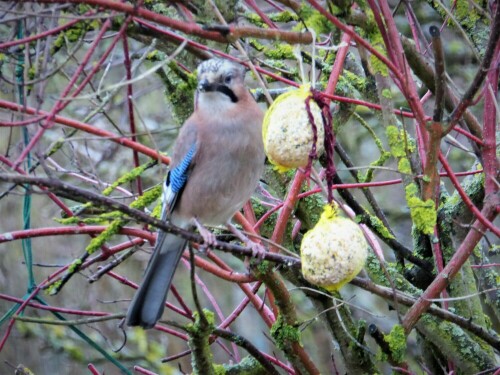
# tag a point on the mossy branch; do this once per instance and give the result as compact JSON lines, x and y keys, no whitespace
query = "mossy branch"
{"x":285,"y":330}
{"x":199,"y":342}
{"x":454,"y":342}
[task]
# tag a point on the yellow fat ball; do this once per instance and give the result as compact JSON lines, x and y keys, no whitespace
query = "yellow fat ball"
{"x":333,"y":252}
{"x":288,"y":135}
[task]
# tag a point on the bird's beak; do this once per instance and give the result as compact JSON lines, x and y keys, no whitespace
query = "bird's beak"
{"x":204,"y":86}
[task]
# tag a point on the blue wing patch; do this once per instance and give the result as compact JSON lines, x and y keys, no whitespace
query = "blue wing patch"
{"x":175,"y":181}
{"x":177,"y":177}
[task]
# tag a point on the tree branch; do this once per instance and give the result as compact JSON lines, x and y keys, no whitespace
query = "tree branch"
{"x":57,"y":186}
{"x":442,"y":280}
{"x":228,"y":35}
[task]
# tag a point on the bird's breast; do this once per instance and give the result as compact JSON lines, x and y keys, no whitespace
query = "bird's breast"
{"x":227,"y":170}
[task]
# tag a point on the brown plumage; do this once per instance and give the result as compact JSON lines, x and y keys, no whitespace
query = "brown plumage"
{"x":219,"y":151}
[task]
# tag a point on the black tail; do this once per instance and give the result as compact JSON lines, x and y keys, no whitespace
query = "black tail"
{"x":148,"y":303}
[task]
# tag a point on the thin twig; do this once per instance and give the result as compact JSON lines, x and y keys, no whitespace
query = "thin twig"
{"x":248,"y":346}
{"x":74,"y":322}
{"x":489,"y":336}
{"x":481,"y":73}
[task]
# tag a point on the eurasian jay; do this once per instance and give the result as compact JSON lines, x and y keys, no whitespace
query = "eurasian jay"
{"x":216,"y":164}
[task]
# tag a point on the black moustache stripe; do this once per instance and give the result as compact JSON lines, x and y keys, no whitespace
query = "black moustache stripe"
{"x":227,"y":91}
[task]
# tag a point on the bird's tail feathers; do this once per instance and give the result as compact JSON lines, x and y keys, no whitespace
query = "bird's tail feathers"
{"x":148,"y":303}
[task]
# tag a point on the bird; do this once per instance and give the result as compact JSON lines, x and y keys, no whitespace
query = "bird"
{"x":216,"y":163}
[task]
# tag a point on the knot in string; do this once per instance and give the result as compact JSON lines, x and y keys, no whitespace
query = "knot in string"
{"x":329,"y":141}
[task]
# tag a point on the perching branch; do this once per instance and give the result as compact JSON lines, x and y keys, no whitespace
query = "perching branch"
{"x":58,"y":186}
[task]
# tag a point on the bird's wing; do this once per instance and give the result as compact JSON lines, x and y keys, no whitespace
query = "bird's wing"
{"x":175,"y":182}
{"x":183,"y":160}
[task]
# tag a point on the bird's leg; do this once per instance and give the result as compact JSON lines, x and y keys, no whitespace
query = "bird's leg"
{"x":258,"y":251}
{"x":209,"y":238}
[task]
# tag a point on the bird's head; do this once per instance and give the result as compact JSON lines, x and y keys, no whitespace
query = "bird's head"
{"x":220,"y":83}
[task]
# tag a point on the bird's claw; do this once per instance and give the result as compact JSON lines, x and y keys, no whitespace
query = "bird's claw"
{"x":209,"y":239}
{"x":258,"y":251}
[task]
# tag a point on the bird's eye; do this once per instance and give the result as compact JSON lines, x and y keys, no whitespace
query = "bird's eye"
{"x":228,"y":79}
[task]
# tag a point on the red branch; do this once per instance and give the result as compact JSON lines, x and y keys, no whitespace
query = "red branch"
{"x":27,"y":300}
{"x":22,"y":122}
{"x":41,"y":35}
{"x":490,"y":161}
{"x":265,"y":18}
{"x":124,"y":141}
{"x":233,"y":32}
{"x":61,"y":104}
{"x":277,"y":77}
{"x":92,"y":369}
{"x":65,"y":231}
{"x":61,"y":310}
{"x":52,"y":196}
{"x":142,"y":370}
{"x":44,"y":34}
{"x":287,"y":209}
{"x":470,"y":205}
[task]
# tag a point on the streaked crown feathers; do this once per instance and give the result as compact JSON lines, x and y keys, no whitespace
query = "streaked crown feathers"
{"x":218,"y":66}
